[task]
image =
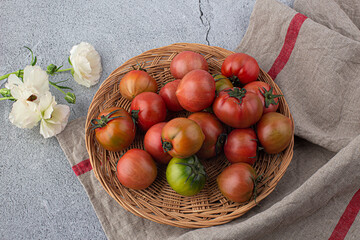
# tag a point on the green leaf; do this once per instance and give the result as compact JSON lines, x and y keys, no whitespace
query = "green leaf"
{"x":64,"y":87}
{"x":60,"y":81}
{"x":69,"y":60}
{"x":59,"y":68}
{"x":34,"y":62}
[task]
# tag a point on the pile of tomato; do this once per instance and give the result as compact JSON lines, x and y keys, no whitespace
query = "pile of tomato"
{"x":231,"y":112}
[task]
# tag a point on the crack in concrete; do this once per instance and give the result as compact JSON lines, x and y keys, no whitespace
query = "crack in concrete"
{"x":205,"y":22}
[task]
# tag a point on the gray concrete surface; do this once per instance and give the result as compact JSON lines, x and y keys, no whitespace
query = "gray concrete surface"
{"x":41,"y":197}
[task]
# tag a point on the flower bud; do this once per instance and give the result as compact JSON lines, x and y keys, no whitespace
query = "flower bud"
{"x":70,"y":97}
{"x":51,"y":69}
{"x":5,"y":92}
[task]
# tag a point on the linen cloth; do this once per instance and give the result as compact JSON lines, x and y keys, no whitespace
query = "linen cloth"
{"x":313,"y":54}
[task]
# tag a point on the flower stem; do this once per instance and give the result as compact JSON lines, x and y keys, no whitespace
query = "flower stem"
{"x":7,"y":75}
{"x":7,"y":98}
{"x":64,"y":70}
{"x":55,"y":86}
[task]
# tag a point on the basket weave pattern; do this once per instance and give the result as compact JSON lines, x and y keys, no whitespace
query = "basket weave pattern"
{"x":159,"y":202}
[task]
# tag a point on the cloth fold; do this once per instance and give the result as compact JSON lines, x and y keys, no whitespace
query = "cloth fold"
{"x":313,"y":52}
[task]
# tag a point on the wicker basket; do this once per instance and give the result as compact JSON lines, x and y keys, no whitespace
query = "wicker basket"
{"x":159,"y":202}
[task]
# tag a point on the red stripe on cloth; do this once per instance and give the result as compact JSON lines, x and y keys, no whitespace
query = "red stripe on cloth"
{"x":82,"y":167}
{"x":289,"y":43}
{"x":347,"y":219}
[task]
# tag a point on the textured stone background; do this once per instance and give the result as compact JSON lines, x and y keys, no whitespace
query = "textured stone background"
{"x":41,"y":197}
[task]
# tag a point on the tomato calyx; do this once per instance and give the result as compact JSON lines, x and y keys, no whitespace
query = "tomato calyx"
{"x":167,"y":146}
{"x":135,"y":115}
{"x":258,"y":148}
{"x":234,"y":79}
{"x":138,"y":67}
{"x":256,"y":183}
{"x":197,"y":169}
{"x":220,"y":143}
{"x":103,"y":121}
{"x":269,"y":96}
{"x":237,"y":93}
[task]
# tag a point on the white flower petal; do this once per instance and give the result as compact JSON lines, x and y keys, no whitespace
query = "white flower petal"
{"x":46,"y":103}
{"x":86,"y":62}
{"x":81,"y":80}
{"x":21,"y":92}
{"x":35,"y":83}
{"x":25,"y":114}
{"x":17,"y":88}
{"x":57,"y":122}
{"x":37,"y":78}
{"x":13,"y":79}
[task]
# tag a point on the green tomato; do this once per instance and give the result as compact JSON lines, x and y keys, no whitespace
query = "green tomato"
{"x":186,"y":176}
{"x":222,"y":83}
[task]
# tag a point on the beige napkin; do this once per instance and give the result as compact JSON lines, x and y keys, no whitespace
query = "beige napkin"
{"x":313,"y":54}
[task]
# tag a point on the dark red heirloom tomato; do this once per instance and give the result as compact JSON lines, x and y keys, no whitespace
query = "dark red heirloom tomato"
{"x":182,"y":137}
{"x":148,"y":108}
{"x":136,"y":169}
{"x":196,"y":91}
{"x":114,"y":129}
{"x":275,"y":132}
{"x":213,"y":131}
{"x":136,"y":82}
{"x":242,"y":66}
{"x":241,"y":146}
{"x":187,"y":61}
{"x":266,"y":94}
{"x":167,"y":93}
{"x":153,"y":144}
{"x":238,"y":108}
{"x":237,"y":182}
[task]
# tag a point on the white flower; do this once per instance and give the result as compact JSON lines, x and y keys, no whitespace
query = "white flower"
{"x":25,"y":114}
{"x":35,"y":84}
{"x":54,"y":117}
{"x":86,"y":63}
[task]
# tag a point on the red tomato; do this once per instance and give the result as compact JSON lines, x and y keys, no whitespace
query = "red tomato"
{"x":266,"y":94}
{"x":153,"y":144}
{"x":187,"y":61}
{"x":237,"y":182}
{"x":238,"y":108}
{"x":136,"y":82}
{"x":148,"y":108}
{"x":196,"y":91}
{"x":275,"y":132}
{"x":114,"y":129}
{"x":167,"y":93}
{"x":242,"y":66}
{"x":241,"y":146}
{"x":213,"y":131}
{"x":182,"y":137}
{"x":136,"y":169}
